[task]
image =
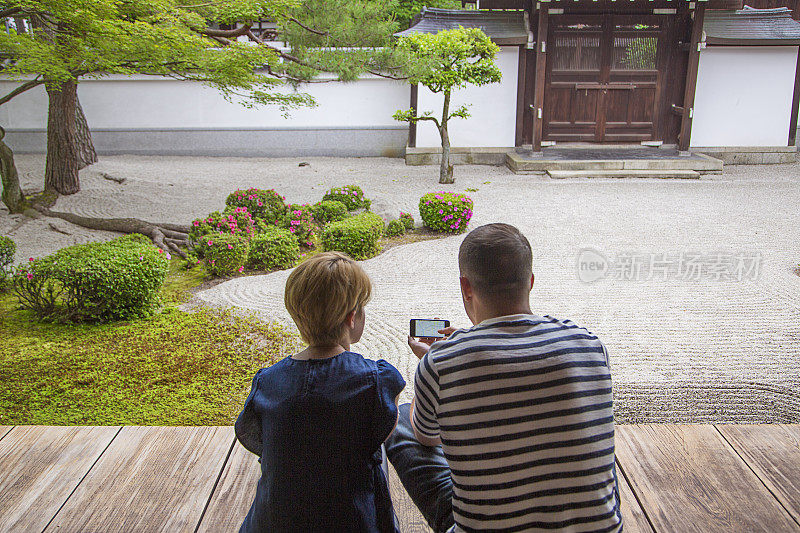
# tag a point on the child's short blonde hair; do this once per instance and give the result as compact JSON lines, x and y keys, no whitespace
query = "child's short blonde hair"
{"x":320,"y":293}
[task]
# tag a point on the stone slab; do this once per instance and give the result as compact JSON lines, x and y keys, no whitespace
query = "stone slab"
{"x":625,"y":173}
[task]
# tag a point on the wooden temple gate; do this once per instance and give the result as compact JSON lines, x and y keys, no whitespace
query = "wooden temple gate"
{"x":610,"y":72}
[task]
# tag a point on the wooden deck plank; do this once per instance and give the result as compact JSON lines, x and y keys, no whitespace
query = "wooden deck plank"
{"x":633,"y":517}
{"x":234,"y":493}
{"x":4,"y":431}
{"x":688,"y":479}
{"x":149,"y":479}
{"x":40,"y":466}
{"x":773,"y":452}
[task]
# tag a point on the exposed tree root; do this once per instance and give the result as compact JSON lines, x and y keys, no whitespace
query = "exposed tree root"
{"x":166,"y":236}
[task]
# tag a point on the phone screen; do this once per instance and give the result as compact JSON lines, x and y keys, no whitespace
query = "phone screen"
{"x":421,"y":327}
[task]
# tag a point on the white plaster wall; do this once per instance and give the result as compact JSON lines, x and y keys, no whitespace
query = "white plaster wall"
{"x":493,"y":110}
{"x":142,"y":102}
{"x":744,"y":96}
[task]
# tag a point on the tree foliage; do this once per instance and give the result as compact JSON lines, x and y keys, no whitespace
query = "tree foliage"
{"x":69,"y":40}
{"x":404,"y":11}
{"x":442,"y":62}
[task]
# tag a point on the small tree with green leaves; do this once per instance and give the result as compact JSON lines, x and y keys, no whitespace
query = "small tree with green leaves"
{"x":444,"y":61}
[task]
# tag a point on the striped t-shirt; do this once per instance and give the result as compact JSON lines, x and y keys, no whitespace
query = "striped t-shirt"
{"x":523,"y":406}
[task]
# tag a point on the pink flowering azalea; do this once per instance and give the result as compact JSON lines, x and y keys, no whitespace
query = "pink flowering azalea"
{"x":241,"y":269}
{"x":168,"y":256}
{"x":30,"y":259}
{"x":141,"y":258}
{"x":210,"y":243}
{"x":29,"y":276}
{"x":230,"y":247}
{"x":160,"y":251}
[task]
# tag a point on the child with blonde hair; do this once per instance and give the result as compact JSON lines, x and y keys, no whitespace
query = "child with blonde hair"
{"x":317,"y":419}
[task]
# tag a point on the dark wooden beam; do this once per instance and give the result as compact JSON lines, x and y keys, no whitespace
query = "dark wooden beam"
{"x":520,"y":96}
{"x":691,"y":76}
{"x":541,"y":63}
{"x":412,"y":126}
{"x":795,"y":102}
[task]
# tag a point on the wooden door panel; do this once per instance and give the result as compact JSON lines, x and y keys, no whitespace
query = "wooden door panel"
{"x":603,"y":77}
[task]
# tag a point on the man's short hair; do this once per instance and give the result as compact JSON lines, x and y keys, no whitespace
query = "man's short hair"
{"x":497,"y":260}
{"x":320,"y":293}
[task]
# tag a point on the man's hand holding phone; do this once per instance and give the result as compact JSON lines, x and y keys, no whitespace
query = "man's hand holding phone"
{"x":424,"y":332}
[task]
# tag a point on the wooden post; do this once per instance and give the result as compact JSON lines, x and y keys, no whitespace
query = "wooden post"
{"x":520,"y":95}
{"x":795,"y":102}
{"x":691,"y":76}
{"x":412,"y":126}
{"x":541,"y":64}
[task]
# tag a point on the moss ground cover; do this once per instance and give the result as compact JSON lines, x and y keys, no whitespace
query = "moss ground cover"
{"x":174,"y":368}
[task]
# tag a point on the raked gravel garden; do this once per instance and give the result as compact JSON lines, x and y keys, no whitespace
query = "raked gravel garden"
{"x":691,"y":284}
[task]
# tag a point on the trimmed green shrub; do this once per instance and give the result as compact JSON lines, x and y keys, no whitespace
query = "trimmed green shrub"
{"x":350,"y":195}
{"x":328,"y":211}
{"x":7,"y":250}
{"x":225,"y":254}
{"x":262,"y":204}
{"x":394,"y":228}
{"x":96,"y":282}
{"x":445,"y":211}
{"x":356,"y":236}
{"x":407,"y":220}
{"x":274,"y":248}
{"x":299,"y":220}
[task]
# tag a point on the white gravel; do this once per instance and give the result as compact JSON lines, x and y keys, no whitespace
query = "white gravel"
{"x":681,"y":350}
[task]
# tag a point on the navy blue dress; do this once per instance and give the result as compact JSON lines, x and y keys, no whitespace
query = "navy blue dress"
{"x":318,"y":426}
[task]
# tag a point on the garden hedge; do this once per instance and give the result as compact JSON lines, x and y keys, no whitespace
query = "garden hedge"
{"x":96,"y":282}
{"x":273,"y":248}
{"x":356,"y":236}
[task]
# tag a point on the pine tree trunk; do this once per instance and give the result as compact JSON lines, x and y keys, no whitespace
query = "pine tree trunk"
{"x":445,"y":168}
{"x":85,"y":148}
{"x":12,"y":193}
{"x":62,"y":165}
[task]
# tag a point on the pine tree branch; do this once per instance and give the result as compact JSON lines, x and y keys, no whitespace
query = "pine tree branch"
{"x":9,"y":12}
{"x":309,"y":29}
{"x":227,"y":34}
{"x":22,"y":88}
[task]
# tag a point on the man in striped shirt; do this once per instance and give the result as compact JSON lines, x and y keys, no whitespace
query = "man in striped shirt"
{"x":511,"y":427}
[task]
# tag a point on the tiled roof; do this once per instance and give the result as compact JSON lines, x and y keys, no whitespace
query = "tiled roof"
{"x":503,"y":27}
{"x":751,"y":26}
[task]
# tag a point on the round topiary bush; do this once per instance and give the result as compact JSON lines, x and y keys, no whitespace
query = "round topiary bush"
{"x":350,"y":195}
{"x":225,"y":254}
{"x":7,"y":250}
{"x":328,"y":211}
{"x":299,"y":220}
{"x":445,"y":211}
{"x":407,"y":220}
{"x":273,"y":248}
{"x":262,"y":204}
{"x":356,"y":236}
{"x":95,"y":282}
{"x":395,"y":228}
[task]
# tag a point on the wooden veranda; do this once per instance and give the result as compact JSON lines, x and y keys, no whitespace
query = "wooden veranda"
{"x":685,"y":478}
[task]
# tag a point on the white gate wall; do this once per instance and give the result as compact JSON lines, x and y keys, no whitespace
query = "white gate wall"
{"x":493,"y":110}
{"x":144,"y":114}
{"x":744,"y":96}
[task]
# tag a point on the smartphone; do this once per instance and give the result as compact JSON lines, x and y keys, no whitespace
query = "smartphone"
{"x":427,"y":327}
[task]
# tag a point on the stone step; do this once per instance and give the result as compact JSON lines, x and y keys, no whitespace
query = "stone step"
{"x":528,"y":163}
{"x":624,"y":173}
